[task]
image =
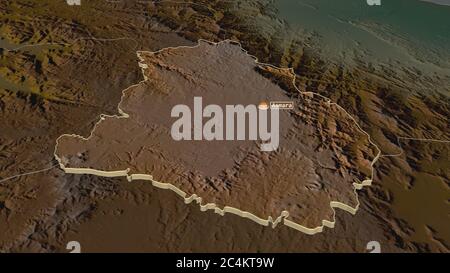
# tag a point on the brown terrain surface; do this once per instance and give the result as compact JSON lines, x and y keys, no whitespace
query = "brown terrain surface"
{"x":47,"y":90}
{"x":321,"y":154}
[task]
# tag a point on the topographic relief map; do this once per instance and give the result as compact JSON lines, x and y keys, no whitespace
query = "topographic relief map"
{"x":238,"y":126}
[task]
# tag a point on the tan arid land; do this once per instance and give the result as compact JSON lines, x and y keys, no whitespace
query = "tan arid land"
{"x":322,"y":159}
{"x":62,"y":66}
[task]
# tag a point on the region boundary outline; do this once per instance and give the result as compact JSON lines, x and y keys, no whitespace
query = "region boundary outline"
{"x":212,"y":206}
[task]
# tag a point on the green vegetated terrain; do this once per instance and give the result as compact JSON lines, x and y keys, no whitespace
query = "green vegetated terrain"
{"x":62,"y":66}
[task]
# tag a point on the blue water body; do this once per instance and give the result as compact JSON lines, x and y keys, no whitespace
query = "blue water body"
{"x":406,"y":32}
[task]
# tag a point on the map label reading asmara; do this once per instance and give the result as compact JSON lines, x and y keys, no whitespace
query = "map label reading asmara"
{"x":235,"y":120}
{"x":321,"y":158}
